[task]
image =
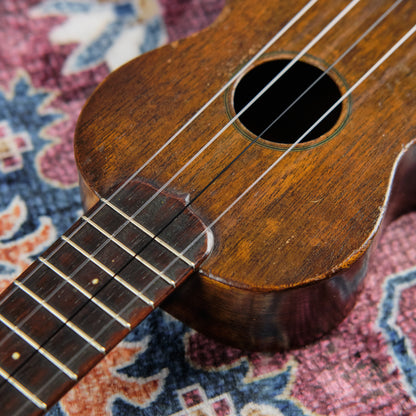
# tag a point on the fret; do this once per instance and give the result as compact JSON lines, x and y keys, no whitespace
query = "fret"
{"x":149,"y":233}
{"x":74,"y":264}
{"x":163,"y":260}
{"x":87,"y":255}
{"x":126,"y":232}
{"x":22,"y":389}
{"x":64,"y":346}
{"x":108,"y":291}
{"x":108,"y":271}
{"x":131,"y":252}
{"x":14,"y":349}
{"x":108,"y":235}
{"x":86,"y":294}
{"x":14,"y":402}
{"x":62,"y":318}
{"x":82,"y":297}
{"x":39,"y":348}
{"x":47,"y":384}
{"x":135,"y":291}
{"x":157,"y":272}
{"x":17,"y":352}
{"x":72,"y":350}
{"x":127,"y":304}
{"x":154,"y":212}
{"x":46,"y":330}
{"x":100,"y":247}
{"x":86,"y":274}
{"x":42,"y":379}
{"x":69,"y":302}
{"x":28,"y":315}
{"x":151,"y":287}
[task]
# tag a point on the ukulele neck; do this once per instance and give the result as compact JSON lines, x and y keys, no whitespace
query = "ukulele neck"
{"x":90,"y":288}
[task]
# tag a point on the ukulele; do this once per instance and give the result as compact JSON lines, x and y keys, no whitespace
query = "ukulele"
{"x":238,"y":178}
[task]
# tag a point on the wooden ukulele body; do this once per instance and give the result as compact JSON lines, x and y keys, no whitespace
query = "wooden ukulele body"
{"x":289,"y":259}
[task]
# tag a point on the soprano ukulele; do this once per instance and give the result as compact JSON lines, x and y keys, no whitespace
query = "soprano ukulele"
{"x":240,"y":177}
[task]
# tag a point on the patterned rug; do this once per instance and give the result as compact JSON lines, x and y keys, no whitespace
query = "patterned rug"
{"x":52,"y":55}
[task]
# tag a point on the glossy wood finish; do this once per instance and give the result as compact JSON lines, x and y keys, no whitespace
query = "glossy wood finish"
{"x":289,"y":259}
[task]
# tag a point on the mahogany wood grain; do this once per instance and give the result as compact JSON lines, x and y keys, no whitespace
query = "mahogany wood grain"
{"x":290,"y":258}
{"x":287,"y":262}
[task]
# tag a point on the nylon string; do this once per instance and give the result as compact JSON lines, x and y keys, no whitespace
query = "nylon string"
{"x":285,"y":28}
{"x":273,"y":165}
{"x":348,"y":93}
{"x":304,"y":50}
{"x":278,"y":35}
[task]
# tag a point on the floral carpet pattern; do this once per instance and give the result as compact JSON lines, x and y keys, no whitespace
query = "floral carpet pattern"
{"x":53,"y":53}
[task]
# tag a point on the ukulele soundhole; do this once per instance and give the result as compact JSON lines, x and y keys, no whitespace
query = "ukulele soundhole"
{"x":291,"y":106}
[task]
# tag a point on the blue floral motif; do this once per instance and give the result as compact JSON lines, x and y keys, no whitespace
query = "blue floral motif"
{"x":23,"y":110}
{"x":23,"y":120}
{"x":169,"y":353}
{"x":108,"y":26}
{"x":399,"y":344}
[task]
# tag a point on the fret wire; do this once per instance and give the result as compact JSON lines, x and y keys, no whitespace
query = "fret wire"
{"x":39,"y":348}
{"x":88,"y":255}
{"x":159,"y":273}
{"x":25,"y":391}
{"x":149,"y":233}
{"x":43,"y":405}
{"x":135,"y":291}
{"x":111,"y":273}
{"x":61,"y":317}
{"x":131,"y":252}
{"x":87,"y":294}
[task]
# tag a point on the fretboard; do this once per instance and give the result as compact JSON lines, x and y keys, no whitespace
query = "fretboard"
{"x":88,"y":290}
